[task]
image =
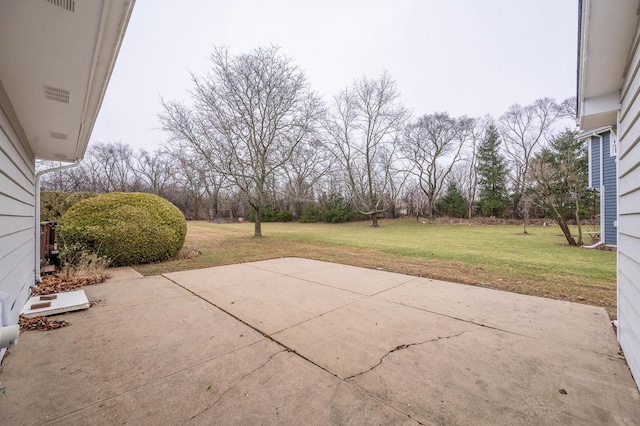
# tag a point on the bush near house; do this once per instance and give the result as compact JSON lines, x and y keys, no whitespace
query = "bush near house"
{"x":128,"y":228}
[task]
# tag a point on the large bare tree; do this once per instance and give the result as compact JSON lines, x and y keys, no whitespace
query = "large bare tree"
{"x":524,"y":131}
{"x":433,"y":145}
{"x":362,"y":129}
{"x":249,"y":114}
{"x":302,"y":173}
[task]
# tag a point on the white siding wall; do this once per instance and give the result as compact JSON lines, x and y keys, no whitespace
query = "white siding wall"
{"x":629,"y":218}
{"x":17,"y":200}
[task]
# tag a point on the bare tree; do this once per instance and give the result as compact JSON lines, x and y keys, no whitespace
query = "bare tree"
{"x":154,"y":170}
{"x":433,"y":145}
{"x":308,"y":164}
{"x":362,"y":128}
{"x":91,"y":172}
{"x":250,"y":113}
{"x":524,"y":131}
{"x":116,"y":162}
{"x":468,"y":180}
{"x":569,"y":108}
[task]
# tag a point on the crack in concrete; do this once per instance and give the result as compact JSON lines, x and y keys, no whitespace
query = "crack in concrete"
{"x":405,"y":346}
{"x":157,"y":379}
{"x":293,"y":351}
{"x":261,"y":366}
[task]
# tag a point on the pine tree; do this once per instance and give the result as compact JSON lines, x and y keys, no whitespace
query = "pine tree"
{"x":492,"y":172}
{"x":453,"y":204}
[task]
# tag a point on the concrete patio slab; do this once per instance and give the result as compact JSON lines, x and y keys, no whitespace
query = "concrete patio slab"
{"x":125,"y":295}
{"x":112,"y":349}
{"x":564,"y":322}
{"x":290,"y":391}
{"x":278,"y":303}
{"x":359,"y":280}
{"x":121,"y":273}
{"x":295,"y":350}
{"x":355,"y":338}
{"x":223,"y":276}
{"x":291,"y":265}
{"x":507,"y":379}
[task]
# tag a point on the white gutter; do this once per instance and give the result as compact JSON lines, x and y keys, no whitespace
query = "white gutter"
{"x":37,"y":215}
{"x":593,"y":132}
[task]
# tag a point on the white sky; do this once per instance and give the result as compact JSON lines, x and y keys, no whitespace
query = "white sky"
{"x":466,"y":57}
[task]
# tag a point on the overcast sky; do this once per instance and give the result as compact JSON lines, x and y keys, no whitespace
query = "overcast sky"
{"x":466,"y":57}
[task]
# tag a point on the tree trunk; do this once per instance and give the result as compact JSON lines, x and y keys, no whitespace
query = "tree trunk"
{"x":258,"y":224}
{"x":567,"y":232}
{"x":578,"y":222}
{"x":562,"y":222}
{"x":374,"y":220}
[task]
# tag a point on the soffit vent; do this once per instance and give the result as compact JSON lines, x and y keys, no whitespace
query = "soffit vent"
{"x":58,"y":135}
{"x":69,"y":5}
{"x":56,"y":94}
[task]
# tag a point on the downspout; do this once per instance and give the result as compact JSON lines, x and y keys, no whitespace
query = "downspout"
{"x":37,"y":215}
{"x":602,"y":189}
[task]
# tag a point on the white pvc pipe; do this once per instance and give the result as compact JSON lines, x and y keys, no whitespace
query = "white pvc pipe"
{"x":598,"y":244}
{"x":37,"y":215}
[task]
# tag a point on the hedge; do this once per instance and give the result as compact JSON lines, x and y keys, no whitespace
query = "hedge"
{"x":128,"y":228}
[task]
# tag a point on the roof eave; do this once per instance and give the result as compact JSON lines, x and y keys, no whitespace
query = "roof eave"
{"x":606,"y":32}
{"x":116,"y":17}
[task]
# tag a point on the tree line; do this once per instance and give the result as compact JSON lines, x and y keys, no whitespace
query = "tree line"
{"x":254,"y":139}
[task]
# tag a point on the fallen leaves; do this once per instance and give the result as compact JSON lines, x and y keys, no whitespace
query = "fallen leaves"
{"x":41,"y":323}
{"x":57,"y":284}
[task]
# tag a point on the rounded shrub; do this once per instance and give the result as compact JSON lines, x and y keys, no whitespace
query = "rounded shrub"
{"x":54,"y":204}
{"x":128,"y":228}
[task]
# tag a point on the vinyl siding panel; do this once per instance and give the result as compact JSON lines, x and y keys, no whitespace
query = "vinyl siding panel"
{"x":609,"y":212}
{"x":628,"y":220}
{"x":17,"y":221}
{"x":629,"y":182}
{"x":629,"y":204}
{"x":628,"y":334}
{"x":633,"y":137}
{"x":594,"y":171}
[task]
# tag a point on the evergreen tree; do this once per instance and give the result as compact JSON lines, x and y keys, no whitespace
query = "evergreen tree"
{"x":453,"y":204}
{"x":492,"y":175}
{"x":559,"y":176}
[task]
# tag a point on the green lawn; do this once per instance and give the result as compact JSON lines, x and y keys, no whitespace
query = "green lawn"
{"x":497,"y":256}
